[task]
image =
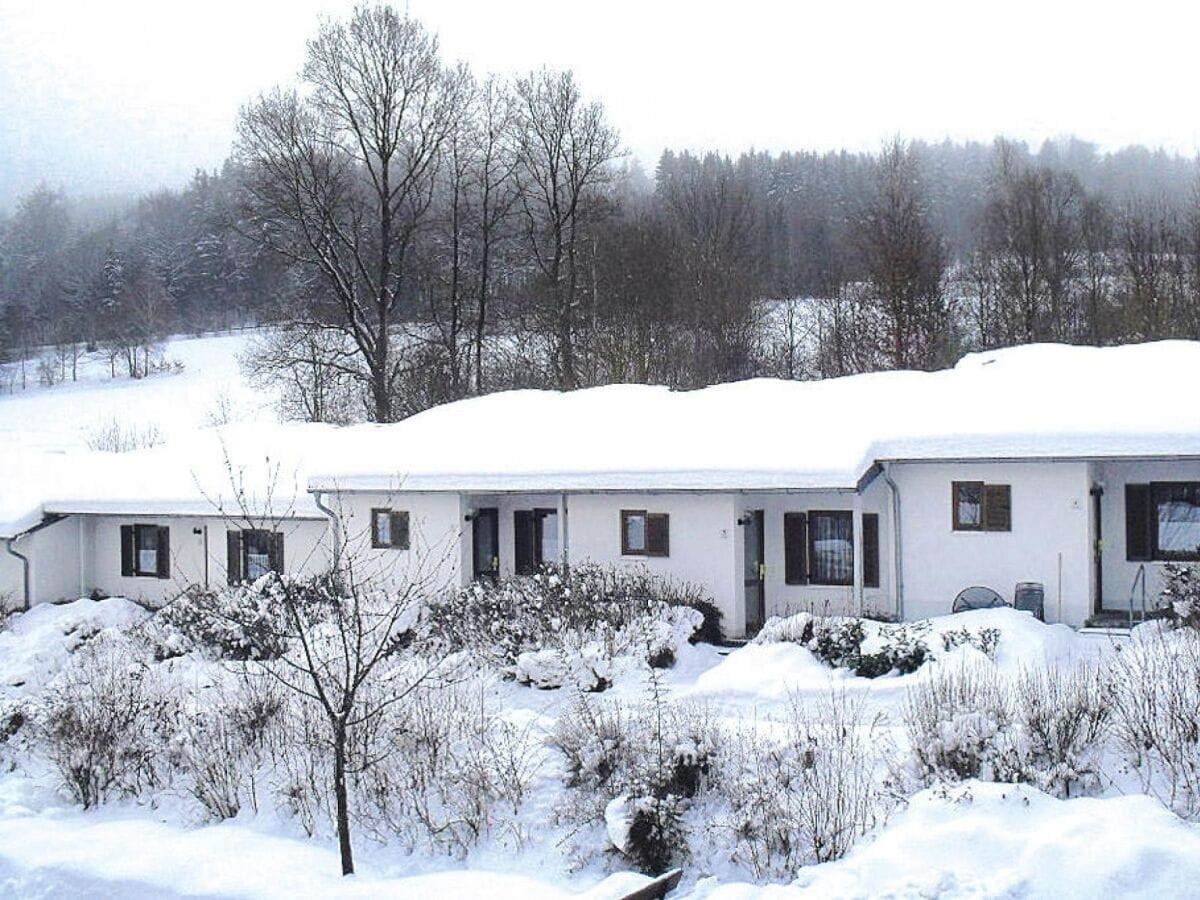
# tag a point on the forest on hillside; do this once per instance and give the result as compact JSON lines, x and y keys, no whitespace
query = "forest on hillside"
{"x":418,"y":233}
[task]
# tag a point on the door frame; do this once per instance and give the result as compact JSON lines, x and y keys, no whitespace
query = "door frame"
{"x":1097,"y":493}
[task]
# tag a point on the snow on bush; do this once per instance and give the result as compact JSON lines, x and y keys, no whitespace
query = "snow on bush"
{"x":241,"y":622}
{"x":549,"y":631}
{"x":1046,"y":727}
{"x":1180,"y":597}
{"x":1156,"y":711}
{"x":803,"y":790}
{"x":104,"y":724}
{"x":637,"y":772}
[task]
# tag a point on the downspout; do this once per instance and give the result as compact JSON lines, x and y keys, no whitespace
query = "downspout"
{"x":25,"y":589}
{"x":897,"y":559}
{"x":335,"y":525}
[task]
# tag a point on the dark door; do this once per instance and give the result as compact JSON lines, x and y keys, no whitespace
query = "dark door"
{"x":525,"y":542}
{"x":485,"y":532}
{"x":755,"y":571}
{"x":1098,"y":548}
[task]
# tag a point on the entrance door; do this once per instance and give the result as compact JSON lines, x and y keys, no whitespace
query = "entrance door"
{"x":535,"y":539}
{"x":485,"y":533}
{"x":755,"y":571}
{"x":1098,"y":549}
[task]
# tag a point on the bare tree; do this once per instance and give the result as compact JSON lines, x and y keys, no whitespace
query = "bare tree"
{"x":564,"y":149}
{"x":340,"y":176}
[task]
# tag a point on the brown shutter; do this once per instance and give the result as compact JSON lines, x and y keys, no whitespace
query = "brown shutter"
{"x":795,"y":548}
{"x":870,"y":549}
{"x":233,"y":556}
{"x":658,"y":534}
{"x":275,"y":552}
{"x":997,"y":507}
{"x":127,"y":551}
{"x":400,"y":530}
{"x":1139,"y":523}
{"x":163,"y":563}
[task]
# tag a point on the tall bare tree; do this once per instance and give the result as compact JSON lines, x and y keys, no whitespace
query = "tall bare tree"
{"x":340,"y":175}
{"x":565,"y":146}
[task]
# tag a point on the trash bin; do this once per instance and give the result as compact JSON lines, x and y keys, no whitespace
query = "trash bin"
{"x":1031,"y":597}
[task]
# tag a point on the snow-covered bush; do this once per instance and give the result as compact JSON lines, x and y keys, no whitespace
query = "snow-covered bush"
{"x":246,"y":621}
{"x":1155,"y":701}
{"x":104,"y":724}
{"x":450,"y":769}
{"x":636,"y":770}
{"x":548,"y":631}
{"x":804,"y":790}
{"x":223,"y":748}
{"x":986,"y":640}
{"x":846,"y":643}
{"x":958,"y":723}
{"x":115,"y":436}
{"x":1180,"y":597}
{"x":1062,"y":718}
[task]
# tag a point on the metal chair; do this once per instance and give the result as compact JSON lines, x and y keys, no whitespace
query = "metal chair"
{"x":977,"y":597}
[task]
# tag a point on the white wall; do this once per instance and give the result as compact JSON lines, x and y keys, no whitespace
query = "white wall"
{"x":1118,"y":572}
{"x":784,"y":599}
{"x":305,"y":552}
{"x":1050,"y":522}
{"x":54,"y":568}
{"x":705,"y":542}
{"x":435,"y":557}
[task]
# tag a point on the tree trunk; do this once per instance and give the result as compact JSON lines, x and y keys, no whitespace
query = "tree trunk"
{"x":343,"y":802}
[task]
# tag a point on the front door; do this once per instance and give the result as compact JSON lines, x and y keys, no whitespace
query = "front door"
{"x":755,"y":571}
{"x":535,"y":539}
{"x":485,"y":533}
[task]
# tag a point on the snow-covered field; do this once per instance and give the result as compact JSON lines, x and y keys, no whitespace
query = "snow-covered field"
{"x":972,"y":839}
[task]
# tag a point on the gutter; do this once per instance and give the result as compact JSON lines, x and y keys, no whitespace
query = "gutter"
{"x":9,"y":542}
{"x":335,"y":525}
{"x":897,"y":558}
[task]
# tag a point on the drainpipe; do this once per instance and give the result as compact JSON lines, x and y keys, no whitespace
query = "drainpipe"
{"x":8,"y":545}
{"x":26,"y":581}
{"x":335,"y":525}
{"x":897,"y":559}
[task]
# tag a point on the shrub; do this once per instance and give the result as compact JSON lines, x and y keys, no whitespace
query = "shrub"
{"x":104,"y":724}
{"x":1155,"y":700}
{"x":1180,"y":596}
{"x":115,"y":436}
{"x":986,"y":640}
{"x":547,"y":630}
{"x":901,"y":648}
{"x":955,"y":721}
{"x":806,"y":795}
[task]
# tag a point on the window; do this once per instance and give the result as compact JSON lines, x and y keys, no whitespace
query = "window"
{"x":870,"y":550}
{"x":389,"y":529}
{"x":535,"y":539}
{"x":1162,"y":521}
{"x":831,"y":547}
{"x":976,"y":506}
{"x":253,"y":553}
{"x":145,"y":551}
{"x":645,"y":533}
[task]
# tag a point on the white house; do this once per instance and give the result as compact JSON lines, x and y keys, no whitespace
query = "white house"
{"x":1075,"y":468}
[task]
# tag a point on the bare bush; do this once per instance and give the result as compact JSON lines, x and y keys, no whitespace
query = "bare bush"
{"x":115,"y":436}
{"x":104,"y":725}
{"x":954,"y":721}
{"x":1156,"y":716}
{"x":806,"y":796}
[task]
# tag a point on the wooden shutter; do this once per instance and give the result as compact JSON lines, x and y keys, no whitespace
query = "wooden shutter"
{"x":997,"y":507}
{"x":163,"y":562}
{"x":1139,"y":523}
{"x":870,"y":550}
{"x":523,"y":542}
{"x":795,"y":548}
{"x":275,"y":552}
{"x":658,"y":534}
{"x":400,"y":530}
{"x":127,"y":551}
{"x":233,"y":556}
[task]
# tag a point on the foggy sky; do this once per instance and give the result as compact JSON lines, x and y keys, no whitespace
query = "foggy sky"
{"x":128,"y":95}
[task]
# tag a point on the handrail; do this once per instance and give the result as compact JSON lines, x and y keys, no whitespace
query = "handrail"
{"x":1139,"y":577}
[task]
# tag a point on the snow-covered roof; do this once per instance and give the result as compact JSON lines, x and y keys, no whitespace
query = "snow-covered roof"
{"x":1034,"y":402}
{"x":1037,"y":401}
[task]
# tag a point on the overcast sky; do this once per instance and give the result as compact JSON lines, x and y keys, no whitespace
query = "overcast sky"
{"x":110,"y":96}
